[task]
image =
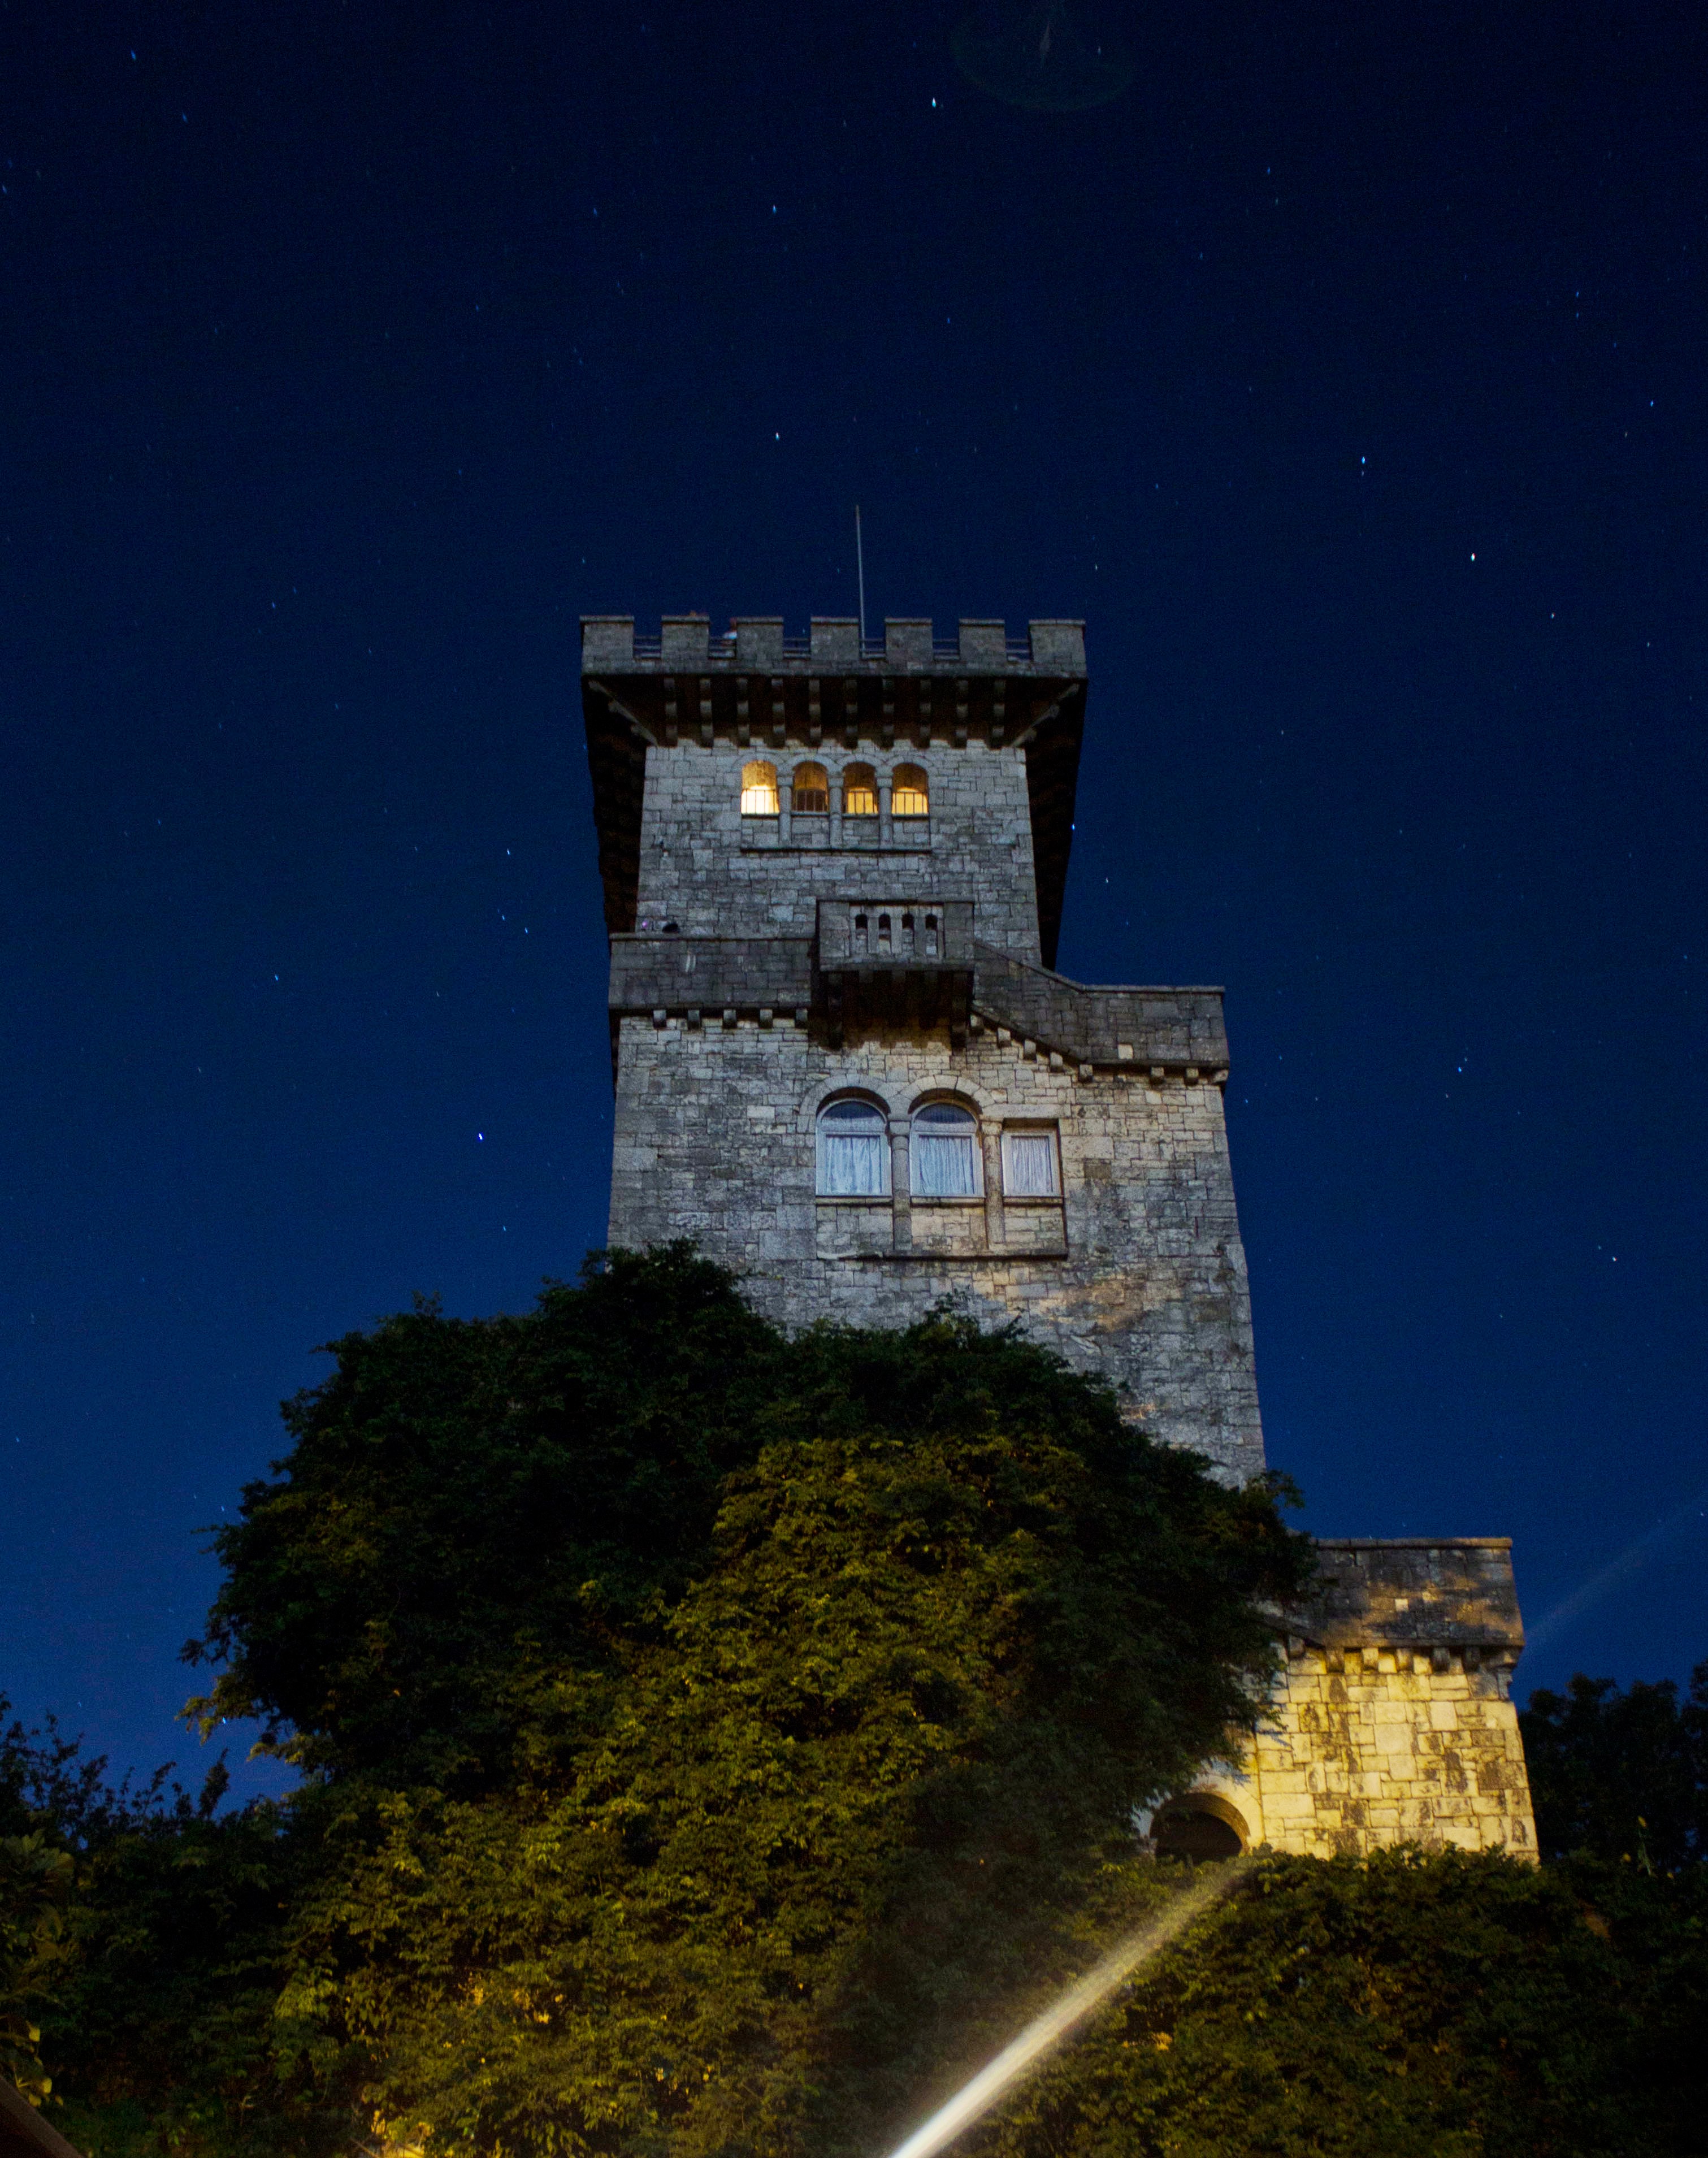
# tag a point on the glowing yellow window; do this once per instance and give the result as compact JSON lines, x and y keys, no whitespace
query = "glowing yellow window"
{"x":860,"y":791}
{"x":909,"y":796}
{"x":759,"y":789}
{"x":810,"y":793}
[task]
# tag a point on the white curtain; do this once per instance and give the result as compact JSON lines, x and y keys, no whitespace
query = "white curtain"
{"x":942,"y":1164}
{"x":851,"y":1164}
{"x":1031,"y":1164}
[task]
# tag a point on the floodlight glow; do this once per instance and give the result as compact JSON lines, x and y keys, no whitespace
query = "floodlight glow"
{"x":975,"y":2098}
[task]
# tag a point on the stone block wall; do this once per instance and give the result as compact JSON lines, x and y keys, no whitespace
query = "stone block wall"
{"x":733,"y":1022}
{"x":1393,"y":1721}
{"x":1136,"y":1271}
{"x":1375,"y":1748}
{"x":710,"y":869}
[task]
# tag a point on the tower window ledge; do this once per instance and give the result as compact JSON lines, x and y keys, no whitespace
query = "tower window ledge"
{"x":758,"y":846}
{"x":947,"y":1199}
{"x":1000,"y":1258}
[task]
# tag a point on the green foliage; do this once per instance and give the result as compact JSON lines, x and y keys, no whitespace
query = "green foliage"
{"x":34,"y":1879}
{"x":694,"y":1723}
{"x":163,"y":1971}
{"x":1621,"y":1774}
{"x":720,"y":1743}
{"x":954,"y":1623}
{"x":463,"y":1492}
{"x":1404,"y":2006}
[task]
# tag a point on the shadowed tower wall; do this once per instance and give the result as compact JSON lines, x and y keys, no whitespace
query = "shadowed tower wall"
{"x":879,"y":935}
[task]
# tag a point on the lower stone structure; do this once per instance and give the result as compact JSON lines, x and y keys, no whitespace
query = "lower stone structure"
{"x":1393,"y":1721}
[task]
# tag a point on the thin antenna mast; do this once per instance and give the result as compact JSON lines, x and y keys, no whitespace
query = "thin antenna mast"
{"x":860,"y":557}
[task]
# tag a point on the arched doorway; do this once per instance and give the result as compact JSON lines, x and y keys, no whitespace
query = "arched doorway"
{"x":1198,"y":1825}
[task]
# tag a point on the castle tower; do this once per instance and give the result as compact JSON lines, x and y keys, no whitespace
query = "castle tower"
{"x":833,"y":873}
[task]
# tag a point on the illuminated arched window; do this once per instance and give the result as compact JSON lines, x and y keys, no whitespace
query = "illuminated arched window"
{"x":860,"y":791}
{"x":944,"y":1163}
{"x":909,"y":796}
{"x":854,"y":1150}
{"x":810,"y":795}
{"x":759,"y":789}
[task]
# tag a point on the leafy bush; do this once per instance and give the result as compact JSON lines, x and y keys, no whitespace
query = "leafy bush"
{"x":694,"y":1723}
{"x":1402,"y":2006}
{"x":719,"y":1743}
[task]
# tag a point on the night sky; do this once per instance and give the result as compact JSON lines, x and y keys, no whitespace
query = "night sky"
{"x":1345,"y":372}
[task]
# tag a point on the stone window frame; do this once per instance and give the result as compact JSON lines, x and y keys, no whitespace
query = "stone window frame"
{"x":752,"y":784}
{"x":900,"y":1096}
{"x":1048,"y":1128}
{"x":868,"y":1097}
{"x":951,"y":1097}
{"x":923,"y":789}
{"x":769,"y":798}
{"x":863,"y":776}
{"x":817,"y":783}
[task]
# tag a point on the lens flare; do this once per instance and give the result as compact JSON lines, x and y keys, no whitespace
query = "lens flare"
{"x":975,"y":2098}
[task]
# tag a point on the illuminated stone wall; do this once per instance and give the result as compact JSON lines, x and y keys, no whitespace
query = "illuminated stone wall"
{"x":1394,"y":1721}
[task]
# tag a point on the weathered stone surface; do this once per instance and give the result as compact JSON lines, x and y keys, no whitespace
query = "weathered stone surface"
{"x":752,"y":982}
{"x":715,"y":1139}
{"x":1393,"y":1721}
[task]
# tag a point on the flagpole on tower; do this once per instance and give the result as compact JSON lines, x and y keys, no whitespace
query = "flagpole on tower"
{"x":861,"y":558}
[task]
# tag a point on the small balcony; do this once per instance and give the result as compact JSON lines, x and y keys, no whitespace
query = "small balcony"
{"x":890,"y":962}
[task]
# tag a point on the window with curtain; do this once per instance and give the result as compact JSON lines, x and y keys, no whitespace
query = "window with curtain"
{"x":860,"y":791}
{"x":810,"y":795}
{"x":759,"y":789}
{"x":854,"y":1151}
{"x":1029,"y":1164}
{"x":909,"y":796}
{"x":944,"y":1160}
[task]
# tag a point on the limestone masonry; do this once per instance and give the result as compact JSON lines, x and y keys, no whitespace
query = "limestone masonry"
{"x":833,"y":871}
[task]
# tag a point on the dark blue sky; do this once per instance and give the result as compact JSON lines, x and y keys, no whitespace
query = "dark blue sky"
{"x":1345,"y":374}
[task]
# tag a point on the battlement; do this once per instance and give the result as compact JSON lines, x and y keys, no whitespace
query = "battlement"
{"x":833,"y":644}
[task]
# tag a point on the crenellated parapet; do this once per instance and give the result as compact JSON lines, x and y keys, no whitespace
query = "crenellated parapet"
{"x":832,"y":644}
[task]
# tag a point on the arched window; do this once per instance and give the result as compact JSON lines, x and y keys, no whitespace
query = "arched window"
{"x":854,"y":1150}
{"x":860,"y":791}
{"x":944,"y":1163}
{"x":909,"y":796}
{"x":811,"y":791}
{"x":759,"y":789}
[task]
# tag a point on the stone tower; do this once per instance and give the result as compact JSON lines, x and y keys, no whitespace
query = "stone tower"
{"x":834,"y":872}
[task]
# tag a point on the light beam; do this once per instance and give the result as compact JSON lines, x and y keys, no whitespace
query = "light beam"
{"x":975,"y":2099}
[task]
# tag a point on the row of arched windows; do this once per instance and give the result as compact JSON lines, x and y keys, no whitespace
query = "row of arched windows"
{"x":946,"y":1160}
{"x":809,"y":791}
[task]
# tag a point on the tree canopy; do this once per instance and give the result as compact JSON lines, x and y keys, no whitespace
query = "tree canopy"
{"x":1622,"y":1772}
{"x":716,"y":1742}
